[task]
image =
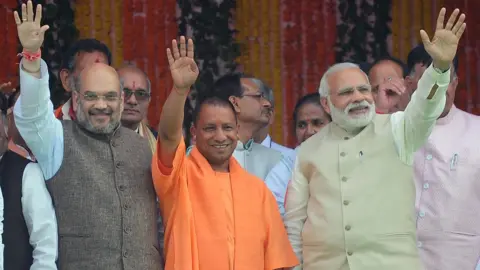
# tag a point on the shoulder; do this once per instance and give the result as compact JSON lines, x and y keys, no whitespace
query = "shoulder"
{"x":285,"y":150}
{"x":266,"y":151}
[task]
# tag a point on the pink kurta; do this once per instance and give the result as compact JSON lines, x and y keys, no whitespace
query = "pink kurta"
{"x":447,"y":180}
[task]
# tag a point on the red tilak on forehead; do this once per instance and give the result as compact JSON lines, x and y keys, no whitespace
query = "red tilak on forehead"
{"x":133,"y":84}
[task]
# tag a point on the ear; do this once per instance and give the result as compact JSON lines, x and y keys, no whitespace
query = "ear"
{"x":325,"y":105}
{"x":234,"y":102}
{"x":74,"y":102}
{"x":64,"y":78}
{"x":193,"y":130}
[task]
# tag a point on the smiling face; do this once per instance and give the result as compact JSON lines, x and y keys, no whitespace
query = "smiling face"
{"x":350,"y":102}
{"x":215,"y":132}
{"x":98,"y":103}
{"x":137,"y":96}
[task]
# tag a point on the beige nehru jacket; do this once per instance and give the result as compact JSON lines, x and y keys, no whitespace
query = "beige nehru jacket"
{"x":350,"y":204}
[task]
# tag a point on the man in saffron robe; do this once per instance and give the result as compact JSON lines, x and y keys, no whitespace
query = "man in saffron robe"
{"x":217,"y":215}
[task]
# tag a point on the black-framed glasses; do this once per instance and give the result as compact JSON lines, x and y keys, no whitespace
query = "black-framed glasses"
{"x":257,"y":95}
{"x":92,"y":96}
{"x":140,"y":95}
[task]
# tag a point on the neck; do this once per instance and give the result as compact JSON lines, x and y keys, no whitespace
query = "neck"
{"x":246,"y":131}
{"x":221,"y":167}
{"x":261,"y":135}
{"x":132,"y":126}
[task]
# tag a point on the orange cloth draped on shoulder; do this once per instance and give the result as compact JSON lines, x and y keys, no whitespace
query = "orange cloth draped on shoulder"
{"x":208,"y":226}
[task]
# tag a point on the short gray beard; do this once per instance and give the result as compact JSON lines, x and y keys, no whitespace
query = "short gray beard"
{"x":345,"y":121}
{"x":83,"y":121}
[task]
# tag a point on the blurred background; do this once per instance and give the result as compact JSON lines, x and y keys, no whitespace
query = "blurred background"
{"x":286,"y":43}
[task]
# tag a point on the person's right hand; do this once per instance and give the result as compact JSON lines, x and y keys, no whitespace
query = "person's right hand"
{"x":389,"y":93}
{"x":6,"y":87}
{"x":182,"y":65}
{"x":30,"y":33}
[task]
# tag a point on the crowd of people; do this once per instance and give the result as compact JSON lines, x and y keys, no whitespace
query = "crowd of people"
{"x":383,"y":175}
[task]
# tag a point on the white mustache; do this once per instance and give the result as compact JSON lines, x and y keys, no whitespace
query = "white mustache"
{"x":352,"y":106}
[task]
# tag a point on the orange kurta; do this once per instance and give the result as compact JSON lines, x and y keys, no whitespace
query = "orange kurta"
{"x":195,"y":209}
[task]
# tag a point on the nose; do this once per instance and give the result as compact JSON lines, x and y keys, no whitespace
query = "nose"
{"x":132,"y":100}
{"x":358,"y":96}
{"x":101,"y":104}
{"x":220,"y":136}
{"x":266,"y":104}
{"x":310,"y":130}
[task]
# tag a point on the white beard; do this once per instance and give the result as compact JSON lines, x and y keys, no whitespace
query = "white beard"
{"x":349,"y":123}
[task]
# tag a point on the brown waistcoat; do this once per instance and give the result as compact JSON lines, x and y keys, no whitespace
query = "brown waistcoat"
{"x":105,"y":202}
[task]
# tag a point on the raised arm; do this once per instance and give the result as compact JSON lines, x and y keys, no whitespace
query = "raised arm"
{"x":33,"y":111}
{"x":412,"y":127}
{"x":184,"y":73}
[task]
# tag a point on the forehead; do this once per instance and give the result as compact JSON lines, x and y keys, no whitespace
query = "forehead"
{"x":216,"y":114}
{"x":99,"y":80}
{"x":133,"y":79}
{"x":85,"y":59}
{"x":249,"y":86}
{"x":311,"y":111}
{"x":346,"y":78}
{"x":384,"y":69}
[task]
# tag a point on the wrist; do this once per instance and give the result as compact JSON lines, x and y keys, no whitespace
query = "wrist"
{"x":441,"y":67}
{"x":181,"y":91}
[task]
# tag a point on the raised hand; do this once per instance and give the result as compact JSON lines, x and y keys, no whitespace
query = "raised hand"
{"x":30,"y":33}
{"x":182,"y":65}
{"x":389,"y":93}
{"x":443,"y":47}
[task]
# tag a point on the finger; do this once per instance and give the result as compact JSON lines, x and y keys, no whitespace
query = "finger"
{"x":452,"y":19}
{"x":44,"y":28}
{"x":17,"y":18}
{"x":38,"y":14}
{"x":425,"y":38}
{"x":176,"y":53}
{"x":461,"y":30}
{"x":398,"y":86}
{"x":190,"y":49}
{"x":170,"y":57}
{"x":441,"y":18}
{"x":458,"y":24}
{"x":183,"y":47}
{"x":30,"y":11}
{"x":24,"y":12}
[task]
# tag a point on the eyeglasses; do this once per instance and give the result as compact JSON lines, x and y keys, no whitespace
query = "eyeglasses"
{"x":257,"y":95}
{"x":140,"y":95}
{"x":92,"y":96}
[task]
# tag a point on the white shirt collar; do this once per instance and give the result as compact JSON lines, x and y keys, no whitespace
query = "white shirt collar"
{"x":267,"y":142}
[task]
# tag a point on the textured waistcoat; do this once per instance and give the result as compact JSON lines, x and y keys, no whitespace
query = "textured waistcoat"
{"x":105,"y":202}
{"x":361,"y":205}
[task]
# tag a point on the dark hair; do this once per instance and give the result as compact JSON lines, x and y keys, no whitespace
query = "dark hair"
{"x":210,"y":99}
{"x":313,"y":98}
{"x":13,"y":97}
{"x":228,"y":85}
{"x":419,"y":55}
{"x":397,"y":61}
{"x":3,"y":103}
{"x":84,"y":45}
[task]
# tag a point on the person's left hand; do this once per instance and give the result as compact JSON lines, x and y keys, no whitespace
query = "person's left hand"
{"x":443,"y":47}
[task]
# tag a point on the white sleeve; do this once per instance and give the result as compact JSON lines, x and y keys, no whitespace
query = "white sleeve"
{"x":40,"y":218}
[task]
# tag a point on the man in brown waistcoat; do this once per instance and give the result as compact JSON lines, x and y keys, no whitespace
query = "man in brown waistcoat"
{"x":98,"y":172}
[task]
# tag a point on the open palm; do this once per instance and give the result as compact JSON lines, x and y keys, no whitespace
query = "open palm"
{"x":30,"y":33}
{"x":443,"y":47}
{"x":182,"y":64}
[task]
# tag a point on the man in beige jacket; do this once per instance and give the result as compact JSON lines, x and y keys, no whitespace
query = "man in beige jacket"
{"x":350,"y":204}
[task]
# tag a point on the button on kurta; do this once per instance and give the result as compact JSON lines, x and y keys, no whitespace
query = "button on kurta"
{"x":421,"y":214}
{"x":344,"y":179}
{"x":350,"y":253}
{"x":119,"y":164}
{"x":345,"y":138}
{"x":346,"y":202}
{"x":429,"y":157}
{"x":343,"y":154}
{"x":122,"y":188}
{"x":348,"y":227}
{"x":125,"y":206}
{"x":426,"y":186}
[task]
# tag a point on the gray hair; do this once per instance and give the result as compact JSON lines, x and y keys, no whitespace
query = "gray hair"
{"x":265,"y":89}
{"x":324,"y":88}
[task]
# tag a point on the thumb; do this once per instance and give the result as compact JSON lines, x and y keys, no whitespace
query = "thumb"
{"x":425,"y":38}
{"x":44,"y":28}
